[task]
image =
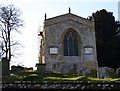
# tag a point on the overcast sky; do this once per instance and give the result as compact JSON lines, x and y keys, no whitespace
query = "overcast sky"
{"x":33,"y":12}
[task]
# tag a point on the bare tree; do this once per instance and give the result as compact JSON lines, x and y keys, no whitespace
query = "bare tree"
{"x":9,"y":22}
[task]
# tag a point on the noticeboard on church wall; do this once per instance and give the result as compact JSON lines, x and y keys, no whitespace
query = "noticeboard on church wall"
{"x":88,"y":50}
{"x":53,"y":50}
{"x":88,"y":53}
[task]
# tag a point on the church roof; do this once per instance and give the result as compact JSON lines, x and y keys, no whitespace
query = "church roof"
{"x":69,"y":16}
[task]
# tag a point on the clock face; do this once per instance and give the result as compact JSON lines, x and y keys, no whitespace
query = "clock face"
{"x":54,"y":50}
{"x":88,"y":50}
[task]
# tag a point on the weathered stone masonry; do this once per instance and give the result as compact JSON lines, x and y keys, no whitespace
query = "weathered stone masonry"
{"x":52,"y":44}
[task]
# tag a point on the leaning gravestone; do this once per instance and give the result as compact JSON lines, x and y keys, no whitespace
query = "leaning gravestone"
{"x":5,"y":66}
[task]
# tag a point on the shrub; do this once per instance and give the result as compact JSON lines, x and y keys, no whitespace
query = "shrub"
{"x":93,"y":73}
{"x":112,"y":74}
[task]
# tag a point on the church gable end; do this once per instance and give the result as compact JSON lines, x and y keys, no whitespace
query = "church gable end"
{"x":66,"y":17}
{"x":69,"y":44}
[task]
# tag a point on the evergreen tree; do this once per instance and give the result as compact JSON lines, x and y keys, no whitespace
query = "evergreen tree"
{"x":106,"y":38}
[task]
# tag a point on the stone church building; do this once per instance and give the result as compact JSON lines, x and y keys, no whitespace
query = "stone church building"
{"x":68,"y":44}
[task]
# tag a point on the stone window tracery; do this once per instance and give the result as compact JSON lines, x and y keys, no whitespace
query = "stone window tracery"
{"x":70,"y":44}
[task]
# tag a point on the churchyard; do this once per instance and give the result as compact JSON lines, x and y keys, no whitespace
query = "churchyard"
{"x":70,"y":49}
{"x":32,"y":79}
{"x":22,"y":78}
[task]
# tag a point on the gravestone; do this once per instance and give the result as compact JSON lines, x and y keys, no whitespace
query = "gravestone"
{"x":41,"y":68}
{"x":17,"y":68}
{"x":85,"y":71}
{"x":104,"y":72}
{"x":0,"y":72}
{"x":118,"y":72}
{"x":5,"y":66}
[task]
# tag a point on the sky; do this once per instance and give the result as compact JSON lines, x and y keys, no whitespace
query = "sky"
{"x":33,"y":12}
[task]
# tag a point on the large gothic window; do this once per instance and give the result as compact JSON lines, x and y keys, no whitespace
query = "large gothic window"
{"x":70,"y":44}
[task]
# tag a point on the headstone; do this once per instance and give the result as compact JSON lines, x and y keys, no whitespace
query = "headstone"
{"x":0,"y":75}
{"x":41,"y":68}
{"x":73,"y":69}
{"x":0,"y":71}
{"x":17,"y":68}
{"x":85,"y":71}
{"x":5,"y":66}
{"x":118,"y":72}
{"x":13,"y":68}
{"x":103,"y":72}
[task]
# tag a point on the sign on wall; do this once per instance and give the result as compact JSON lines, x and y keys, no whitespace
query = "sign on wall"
{"x":88,"y":53}
{"x":54,"y":50}
{"x":88,"y":50}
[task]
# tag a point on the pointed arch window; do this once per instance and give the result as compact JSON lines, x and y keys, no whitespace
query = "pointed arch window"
{"x":70,"y":44}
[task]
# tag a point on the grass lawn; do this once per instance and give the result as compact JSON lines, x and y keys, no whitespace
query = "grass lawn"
{"x":31,"y":75}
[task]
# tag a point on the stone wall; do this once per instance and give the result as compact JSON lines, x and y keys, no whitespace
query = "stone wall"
{"x":56,"y":85}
